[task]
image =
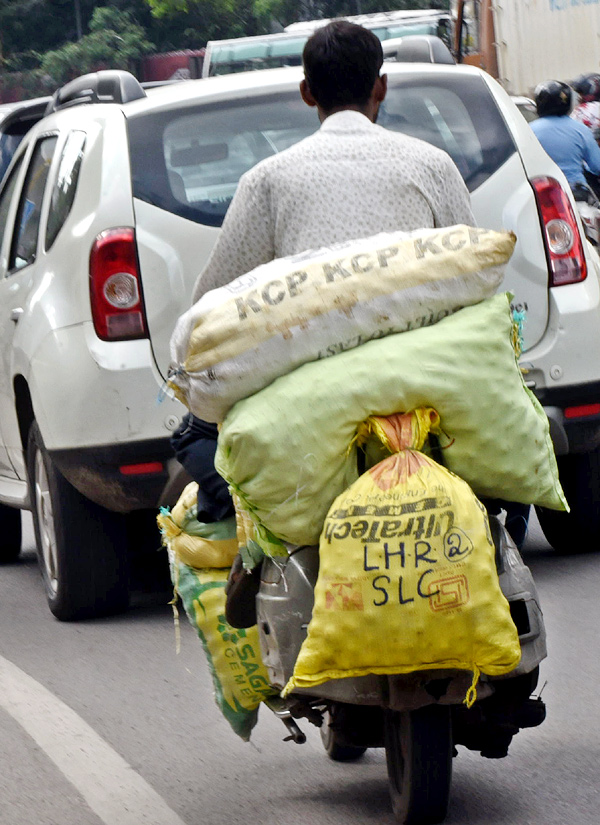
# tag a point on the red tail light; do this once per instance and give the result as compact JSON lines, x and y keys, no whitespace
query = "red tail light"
{"x":115,"y":287}
{"x":147,"y":468}
{"x":564,"y":248}
{"x":583,"y":411}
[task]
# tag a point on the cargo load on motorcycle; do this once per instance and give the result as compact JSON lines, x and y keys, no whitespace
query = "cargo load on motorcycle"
{"x":370,"y":404}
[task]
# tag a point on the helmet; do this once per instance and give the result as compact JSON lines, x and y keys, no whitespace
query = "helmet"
{"x":587,"y":87}
{"x":552,"y":98}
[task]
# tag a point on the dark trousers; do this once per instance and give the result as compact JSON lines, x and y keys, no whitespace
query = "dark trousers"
{"x":195,"y":444}
{"x":517,"y":517}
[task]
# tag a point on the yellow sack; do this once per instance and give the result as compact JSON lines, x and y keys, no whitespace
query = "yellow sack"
{"x":407,"y":578}
{"x":200,"y":556}
{"x":193,"y":542}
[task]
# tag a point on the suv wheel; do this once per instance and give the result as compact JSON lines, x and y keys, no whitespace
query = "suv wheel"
{"x":10,"y":534}
{"x":579,"y":530}
{"x":81,"y":547}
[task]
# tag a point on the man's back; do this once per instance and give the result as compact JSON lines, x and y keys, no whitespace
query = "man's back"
{"x":349,"y":180}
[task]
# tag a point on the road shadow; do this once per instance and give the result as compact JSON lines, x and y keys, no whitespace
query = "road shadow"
{"x":352,"y":794}
{"x":547,"y":564}
{"x":479,"y":801}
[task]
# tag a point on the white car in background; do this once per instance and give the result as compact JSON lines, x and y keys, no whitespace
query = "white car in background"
{"x":108,"y":212}
{"x":15,"y":121}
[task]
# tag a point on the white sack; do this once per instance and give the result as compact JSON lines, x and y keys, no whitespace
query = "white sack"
{"x":237,"y":339}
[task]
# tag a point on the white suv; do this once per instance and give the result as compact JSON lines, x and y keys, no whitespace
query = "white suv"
{"x":108,"y":212}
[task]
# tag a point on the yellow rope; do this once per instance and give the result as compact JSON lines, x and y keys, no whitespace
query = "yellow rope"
{"x":471,"y":696}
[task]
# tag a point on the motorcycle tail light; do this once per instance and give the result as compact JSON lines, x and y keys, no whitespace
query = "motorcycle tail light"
{"x":115,"y":287}
{"x":564,"y":248}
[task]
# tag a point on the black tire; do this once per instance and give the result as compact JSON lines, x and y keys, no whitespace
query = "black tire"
{"x":331,"y":743}
{"x":81,"y":547}
{"x":418,"y":749}
{"x":10,"y":534}
{"x":579,"y":530}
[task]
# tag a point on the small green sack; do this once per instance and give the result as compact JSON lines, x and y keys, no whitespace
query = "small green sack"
{"x":239,"y":676}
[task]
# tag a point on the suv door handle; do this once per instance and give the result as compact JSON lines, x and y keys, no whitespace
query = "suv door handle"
{"x":16,"y":313}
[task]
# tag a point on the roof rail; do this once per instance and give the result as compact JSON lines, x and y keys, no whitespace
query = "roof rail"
{"x":423,"y":48}
{"x":108,"y":86}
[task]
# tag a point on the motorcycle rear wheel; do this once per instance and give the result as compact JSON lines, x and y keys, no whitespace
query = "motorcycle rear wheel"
{"x":335,"y":750}
{"x":418,"y":749}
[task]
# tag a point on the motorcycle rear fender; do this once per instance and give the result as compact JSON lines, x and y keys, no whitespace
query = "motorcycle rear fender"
{"x":284,"y":608}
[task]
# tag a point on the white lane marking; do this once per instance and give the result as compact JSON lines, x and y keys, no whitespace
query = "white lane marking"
{"x":110,"y":786}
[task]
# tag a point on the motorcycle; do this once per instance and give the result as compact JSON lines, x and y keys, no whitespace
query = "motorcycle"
{"x":419,"y":718}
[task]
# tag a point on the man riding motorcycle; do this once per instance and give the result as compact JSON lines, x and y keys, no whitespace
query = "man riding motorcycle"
{"x":569,"y":143}
{"x":587,"y":110}
{"x":351,"y":179}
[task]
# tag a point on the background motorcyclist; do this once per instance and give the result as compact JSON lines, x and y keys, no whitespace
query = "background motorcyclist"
{"x":587,"y":111}
{"x":569,"y":143}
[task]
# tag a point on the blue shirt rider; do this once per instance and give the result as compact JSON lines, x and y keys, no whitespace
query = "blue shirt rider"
{"x":569,"y":143}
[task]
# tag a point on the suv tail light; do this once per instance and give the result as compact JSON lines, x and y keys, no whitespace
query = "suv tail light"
{"x":564,"y":248}
{"x":115,"y":287}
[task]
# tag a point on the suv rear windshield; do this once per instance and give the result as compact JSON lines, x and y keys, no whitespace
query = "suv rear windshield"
{"x":189,"y":161}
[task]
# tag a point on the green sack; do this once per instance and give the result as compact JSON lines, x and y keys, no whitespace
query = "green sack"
{"x":239,"y":676}
{"x":289,"y":450}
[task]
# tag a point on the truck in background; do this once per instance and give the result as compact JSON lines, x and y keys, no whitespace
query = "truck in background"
{"x":270,"y":51}
{"x":522,"y":43}
{"x":184,"y":64}
{"x":519,"y":42}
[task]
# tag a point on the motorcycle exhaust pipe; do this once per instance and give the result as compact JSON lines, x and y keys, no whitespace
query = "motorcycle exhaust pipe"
{"x":295,"y":733}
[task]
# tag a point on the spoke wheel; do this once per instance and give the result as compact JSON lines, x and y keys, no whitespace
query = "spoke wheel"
{"x":418,"y":749}
{"x":47,"y":552}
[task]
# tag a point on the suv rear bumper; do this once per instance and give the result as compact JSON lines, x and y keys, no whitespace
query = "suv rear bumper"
{"x":120,"y":477}
{"x":573,"y":430}
{"x":561,"y":369}
{"x":99,"y":415}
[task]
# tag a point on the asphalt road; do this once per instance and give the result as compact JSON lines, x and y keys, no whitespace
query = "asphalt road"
{"x":103,"y":722}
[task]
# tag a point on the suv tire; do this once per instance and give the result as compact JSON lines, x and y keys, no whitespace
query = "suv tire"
{"x":10,"y":534}
{"x":81,"y":547}
{"x":579,"y":530}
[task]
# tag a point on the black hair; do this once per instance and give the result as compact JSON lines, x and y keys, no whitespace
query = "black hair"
{"x":341,"y":64}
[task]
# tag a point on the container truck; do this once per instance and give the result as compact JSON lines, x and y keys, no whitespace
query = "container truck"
{"x":522,"y":42}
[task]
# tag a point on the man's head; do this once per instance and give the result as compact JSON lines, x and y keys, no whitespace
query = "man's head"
{"x":552,"y":97}
{"x":341,"y":69}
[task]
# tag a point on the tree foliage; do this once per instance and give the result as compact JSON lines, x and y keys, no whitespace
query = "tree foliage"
{"x":40,"y":43}
{"x":114,"y":41}
{"x":37,"y":24}
{"x":235,"y":18}
{"x":29,"y":28}
{"x":290,"y":11}
{"x":209,"y":19}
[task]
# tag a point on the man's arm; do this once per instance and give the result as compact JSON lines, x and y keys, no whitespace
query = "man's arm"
{"x":246,"y":237}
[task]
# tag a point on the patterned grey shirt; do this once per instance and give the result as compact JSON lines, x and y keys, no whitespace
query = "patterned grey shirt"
{"x":351,"y":179}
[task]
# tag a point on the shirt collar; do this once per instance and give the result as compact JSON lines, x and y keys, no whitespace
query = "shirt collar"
{"x":347,"y":120}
